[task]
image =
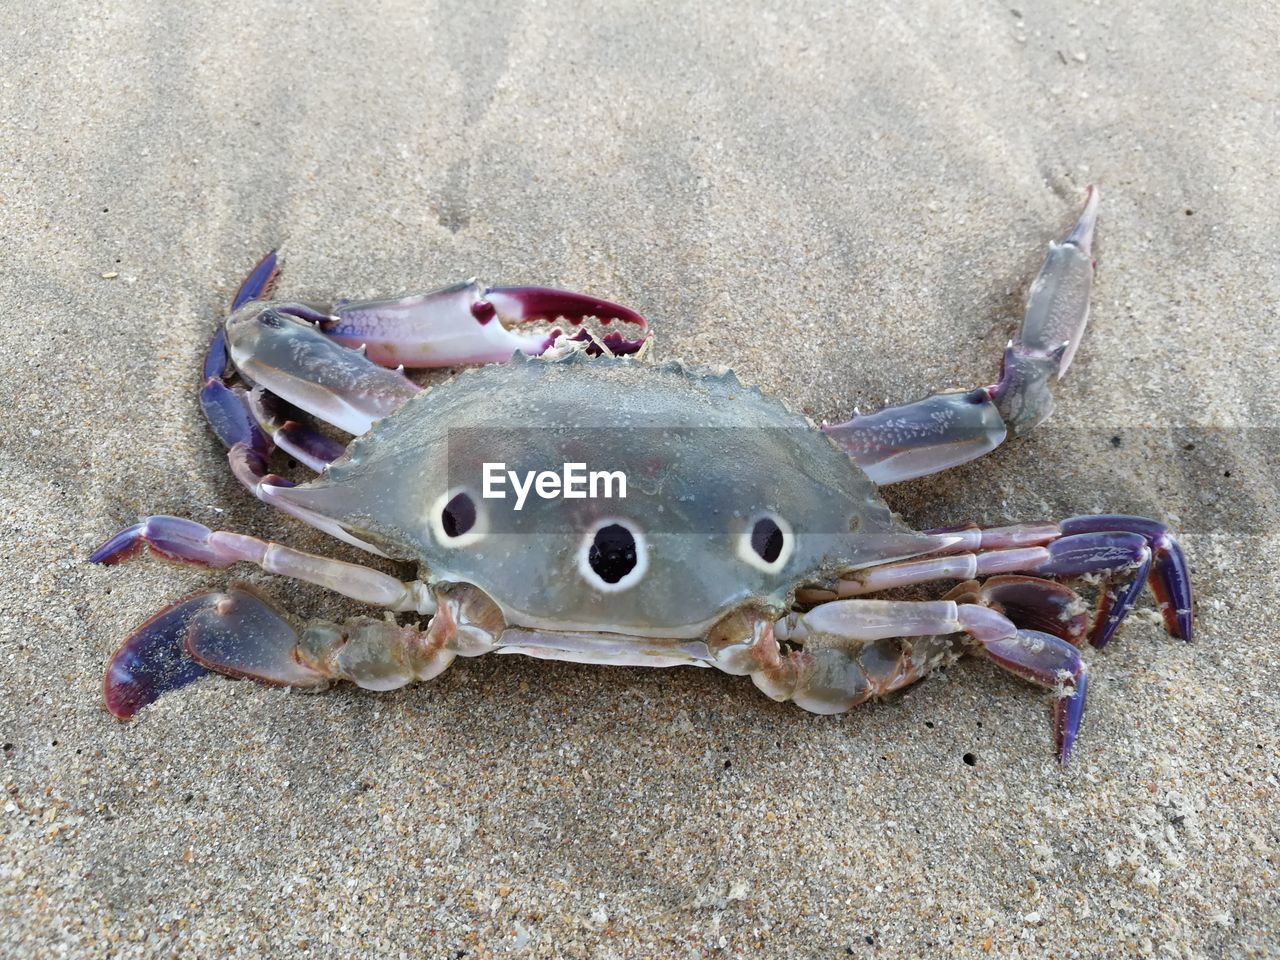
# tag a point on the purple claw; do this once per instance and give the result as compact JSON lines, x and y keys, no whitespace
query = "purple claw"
{"x":154,"y":660}
{"x":1067,"y":714}
{"x":257,"y":285}
{"x":223,"y":407}
{"x":1098,"y":552}
{"x":173,"y":538}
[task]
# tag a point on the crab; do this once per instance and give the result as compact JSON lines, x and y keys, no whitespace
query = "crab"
{"x":748,"y":539}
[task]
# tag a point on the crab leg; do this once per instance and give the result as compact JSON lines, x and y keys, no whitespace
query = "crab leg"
{"x":185,"y":541}
{"x":224,"y":406}
{"x":1032,"y":602}
{"x":468,"y":323}
{"x":852,"y":650}
{"x":255,"y":418}
{"x":251,"y":470}
{"x":1126,"y":551}
{"x":310,"y":447}
{"x":948,"y":429}
{"x":239,"y":633}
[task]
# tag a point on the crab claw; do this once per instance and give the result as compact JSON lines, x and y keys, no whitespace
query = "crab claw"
{"x":279,"y":347}
{"x":1058,"y":302}
{"x":456,"y":325}
{"x":527,"y":304}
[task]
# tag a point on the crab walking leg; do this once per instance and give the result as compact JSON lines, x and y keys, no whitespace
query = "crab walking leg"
{"x":1127,"y":551}
{"x":1031,"y":602}
{"x":301,"y":442}
{"x":251,"y":470}
{"x":948,"y":429}
{"x":224,"y":406}
{"x":186,"y":541}
{"x":851,"y":650}
{"x":255,"y":418}
{"x":467,"y":324}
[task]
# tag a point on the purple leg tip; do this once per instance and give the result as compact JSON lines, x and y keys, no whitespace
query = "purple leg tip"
{"x":170,"y":537}
{"x":231,"y":419}
{"x":1067,"y":715}
{"x":120,"y":547}
{"x":1117,"y":600}
{"x":216,"y":358}
{"x":258,"y":283}
{"x":1172,"y":587}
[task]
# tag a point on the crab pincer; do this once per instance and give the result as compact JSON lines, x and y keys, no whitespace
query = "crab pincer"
{"x":947,"y":429}
{"x":470,"y":323}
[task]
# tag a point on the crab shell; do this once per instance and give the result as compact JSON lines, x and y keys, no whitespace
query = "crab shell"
{"x":704,"y":457}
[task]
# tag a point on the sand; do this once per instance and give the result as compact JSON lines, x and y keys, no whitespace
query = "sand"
{"x":846,"y":205}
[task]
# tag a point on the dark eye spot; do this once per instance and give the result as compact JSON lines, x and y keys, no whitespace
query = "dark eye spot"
{"x":458,"y":515}
{"x":766,"y":539}
{"x":613,"y":553}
